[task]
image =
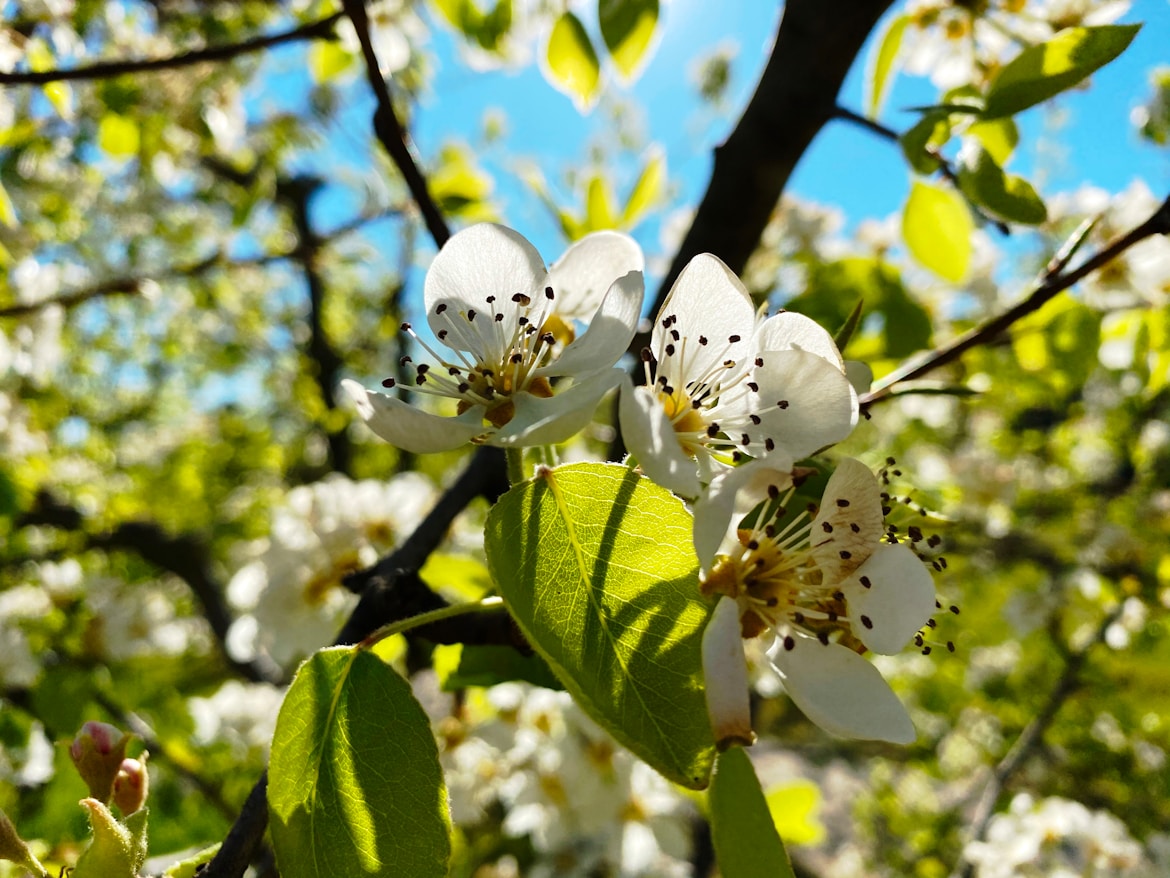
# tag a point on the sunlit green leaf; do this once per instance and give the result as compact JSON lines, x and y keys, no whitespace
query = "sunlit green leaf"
{"x":1007,"y":196}
{"x":328,"y":59}
{"x":1043,"y":71}
{"x":878,"y":81}
{"x":7,"y":211}
{"x":937,"y":228}
{"x":597,"y":567}
{"x":476,"y":665}
{"x":118,"y":136}
{"x":460,"y":186}
{"x":746,"y":842}
{"x":998,"y":136}
{"x":648,"y":189}
{"x":794,"y":809}
{"x":354,"y":783}
{"x":925,"y":137}
{"x":572,"y":64}
{"x":627,"y":27}
{"x":600,"y":212}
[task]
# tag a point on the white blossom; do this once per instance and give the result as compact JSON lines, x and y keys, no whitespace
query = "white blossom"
{"x":720,"y":384}
{"x":509,"y":327}
{"x":827,"y":584}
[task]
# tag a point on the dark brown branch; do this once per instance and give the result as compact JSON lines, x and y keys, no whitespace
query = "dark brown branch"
{"x":795,"y":98}
{"x":391,"y":590}
{"x":326,"y":362}
{"x":108,"y":69}
{"x":135,"y":285}
{"x":185,"y":556}
{"x":389,"y":129}
{"x":944,"y":166}
{"x":1031,"y":737}
{"x":1055,"y":281}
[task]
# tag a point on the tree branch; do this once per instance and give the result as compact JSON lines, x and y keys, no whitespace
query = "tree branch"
{"x":108,"y":69}
{"x":389,"y":129}
{"x":390,"y":591}
{"x":795,"y":98}
{"x":325,"y":359}
{"x":184,"y":555}
{"x":135,"y":285}
{"x":1053,"y":282}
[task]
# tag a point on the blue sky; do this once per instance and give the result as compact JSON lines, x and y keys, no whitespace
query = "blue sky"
{"x":846,"y":167}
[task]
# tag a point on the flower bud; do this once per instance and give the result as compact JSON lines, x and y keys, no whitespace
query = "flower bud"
{"x":98,"y":751}
{"x":131,"y":785}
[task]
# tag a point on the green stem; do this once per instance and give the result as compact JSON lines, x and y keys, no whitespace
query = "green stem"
{"x":515,"y":457}
{"x":488,"y":603}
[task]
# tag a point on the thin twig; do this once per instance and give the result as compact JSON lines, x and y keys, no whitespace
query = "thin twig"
{"x":107,"y":69}
{"x":1030,"y":738}
{"x":135,"y":285}
{"x":389,"y":129}
{"x":1049,"y":287}
{"x":944,"y":166}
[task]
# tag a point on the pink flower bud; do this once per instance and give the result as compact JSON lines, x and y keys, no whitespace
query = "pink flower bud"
{"x":131,"y":785}
{"x":98,"y":751}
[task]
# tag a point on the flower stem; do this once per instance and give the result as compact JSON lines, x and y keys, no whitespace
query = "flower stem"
{"x":515,"y":458}
{"x":488,"y":603}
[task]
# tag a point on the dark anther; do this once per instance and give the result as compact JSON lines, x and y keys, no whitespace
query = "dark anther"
{"x":712,"y":430}
{"x":402,"y":361}
{"x":867,"y":622}
{"x":789,"y":643}
{"x":755,"y":419}
{"x":782,"y":404}
{"x":470,"y":314}
{"x":855,"y":527}
{"x":405,"y":327}
{"x":866,"y":583}
{"x":845,"y":556}
{"x":753,"y":387}
{"x":950,"y":646}
{"x":388,"y":383}
{"x":753,"y":545}
{"x":441,"y":307}
{"x":732,"y":339}
{"x":499,"y":318}
{"x":915,"y":534}
{"x":838,"y":595}
{"x":823,"y":637}
{"x":423,"y":368}
{"x":773,"y":492}
{"x":745,"y":440}
{"x":842,"y":502}
{"x":759,"y":361}
{"x":769,"y":444}
{"x":670,"y":350}
{"x":954,"y":609}
{"x":702,"y":339}
{"x":442,"y":335}
{"x":826,"y":527}
{"x":548,"y":292}
{"x":798,"y":617}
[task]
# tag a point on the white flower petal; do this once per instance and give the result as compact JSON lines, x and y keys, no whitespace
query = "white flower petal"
{"x":852,"y":510}
{"x":841,"y":692}
{"x":650,"y":437}
{"x":609,"y":331}
{"x":409,"y":428}
{"x":709,"y":301}
{"x":791,"y":331}
{"x":583,"y":275}
{"x":898,"y":601}
{"x":547,"y":421}
{"x":731,"y":495}
{"x":480,"y":261}
{"x":820,"y":405}
{"x":725,"y":675}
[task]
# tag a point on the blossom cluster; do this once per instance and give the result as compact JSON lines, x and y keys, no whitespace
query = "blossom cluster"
{"x":731,"y":401}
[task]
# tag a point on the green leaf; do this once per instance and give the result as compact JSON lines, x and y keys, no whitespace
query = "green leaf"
{"x":877,"y":82}
{"x":648,"y":189}
{"x":118,"y":136}
{"x":937,"y":228}
{"x":16,"y":850}
{"x":1042,"y":71}
{"x":599,"y":208}
{"x":1007,"y":196}
{"x":998,"y":136}
{"x":930,"y":132}
{"x":460,"y":187}
{"x":572,"y":64}
{"x":596,"y":565}
{"x":327,"y":60}
{"x":117,"y":850}
{"x":793,"y":807}
{"x":354,"y":783}
{"x":746,"y":842}
{"x":627,"y":26}
{"x":841,"y":339}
